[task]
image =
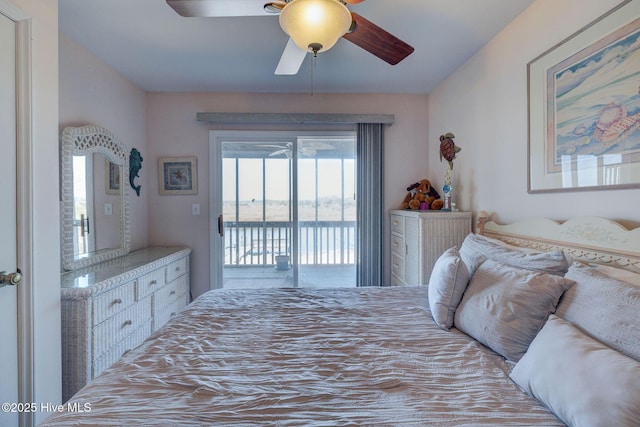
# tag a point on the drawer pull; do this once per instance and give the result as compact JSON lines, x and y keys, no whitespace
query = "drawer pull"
{"x":153,"y":282}
{"x":127,"y":323}
{"x":116,"y":301}
{"x":173,"y":313}
{"x":172,"y":293}
{"x":177,"y":269}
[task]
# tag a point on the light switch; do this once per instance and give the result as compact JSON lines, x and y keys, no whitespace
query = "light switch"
{"x":195,"y":209}
{"x":108,"y":209}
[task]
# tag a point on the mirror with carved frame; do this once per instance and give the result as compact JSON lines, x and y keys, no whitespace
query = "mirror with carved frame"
{"x":95,"y":201}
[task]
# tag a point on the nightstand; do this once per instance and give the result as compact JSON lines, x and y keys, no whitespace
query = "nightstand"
{"x":418,"y":238}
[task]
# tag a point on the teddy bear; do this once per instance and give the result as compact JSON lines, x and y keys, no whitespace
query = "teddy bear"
{"x":418,"y":193}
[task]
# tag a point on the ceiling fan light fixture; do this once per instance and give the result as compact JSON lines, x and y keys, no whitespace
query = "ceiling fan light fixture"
{"x":310,"y":23}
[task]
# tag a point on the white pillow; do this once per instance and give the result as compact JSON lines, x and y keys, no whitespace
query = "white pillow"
{"x":448,"y":281}
{"x":582,"y":381}
{"x":605,"y":308}
{"x":618,"y":273}
{"x":475,"y":249}
{"x":504,"y":307}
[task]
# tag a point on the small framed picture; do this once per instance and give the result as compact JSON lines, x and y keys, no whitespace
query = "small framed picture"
{"x":178,"y":175}
{"x":111,"y":177}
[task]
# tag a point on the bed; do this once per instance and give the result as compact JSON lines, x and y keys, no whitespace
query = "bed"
{"x":400,"y":356}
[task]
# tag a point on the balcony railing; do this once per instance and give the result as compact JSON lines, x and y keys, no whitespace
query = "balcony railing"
{"x":320,"y":242}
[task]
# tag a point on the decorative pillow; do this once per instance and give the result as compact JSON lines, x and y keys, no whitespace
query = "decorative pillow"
{"x":618,"y":273}
{"x":448,"y":281}
{"x":476,"y":248}
{"x":504,"y":307}
{"x":584,"y":382}
{"x":605,"y":308}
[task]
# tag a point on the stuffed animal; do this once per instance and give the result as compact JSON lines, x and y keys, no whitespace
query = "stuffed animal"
{"x":418,"y":193}
{"x":437,"y":204}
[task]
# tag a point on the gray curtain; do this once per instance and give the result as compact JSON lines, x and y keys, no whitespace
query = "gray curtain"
{"x":370,"y":203}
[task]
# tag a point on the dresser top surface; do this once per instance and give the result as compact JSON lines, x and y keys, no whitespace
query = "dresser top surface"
{"x":129,"y":264}
{"x":430,"y":213}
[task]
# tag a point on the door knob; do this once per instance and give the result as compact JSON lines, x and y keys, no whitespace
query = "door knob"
{"x":10,"y":278}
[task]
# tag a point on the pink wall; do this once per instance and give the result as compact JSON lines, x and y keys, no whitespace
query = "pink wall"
{"x":484,"y":103}
{"x":173,"y":131}
{"x":91,"y":92}
{"x":164,"y":124}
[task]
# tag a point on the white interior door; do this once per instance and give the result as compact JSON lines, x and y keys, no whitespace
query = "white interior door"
{"x":8,"y":243}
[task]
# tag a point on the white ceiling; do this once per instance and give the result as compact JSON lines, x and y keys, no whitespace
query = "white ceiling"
{"x":158,"y":50}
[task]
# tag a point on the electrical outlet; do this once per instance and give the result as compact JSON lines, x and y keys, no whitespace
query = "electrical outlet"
{"x":108,"y":209}
{"x":195,"y":209}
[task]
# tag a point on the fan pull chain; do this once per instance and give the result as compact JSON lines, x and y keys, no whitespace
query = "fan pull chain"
{"x":315,"y":48}
{"x":313,"y":68}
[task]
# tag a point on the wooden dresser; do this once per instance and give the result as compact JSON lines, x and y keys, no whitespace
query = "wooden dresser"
{"x":418,"y":238}
{"x":111,"y":307}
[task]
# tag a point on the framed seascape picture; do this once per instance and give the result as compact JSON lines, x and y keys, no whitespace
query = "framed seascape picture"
{"x":178,"y":175}
{"x":584,"y":107}
{"x":112,"y":177}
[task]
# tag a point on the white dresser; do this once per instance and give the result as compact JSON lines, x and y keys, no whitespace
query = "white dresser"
{"x":418,"y":238}
{"x":111,"y":307}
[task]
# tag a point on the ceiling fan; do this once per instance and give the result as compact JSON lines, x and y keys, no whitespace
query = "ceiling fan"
{"x":312,"y":25}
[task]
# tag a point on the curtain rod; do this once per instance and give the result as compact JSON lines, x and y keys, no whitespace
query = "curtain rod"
{"x":299,"y":118}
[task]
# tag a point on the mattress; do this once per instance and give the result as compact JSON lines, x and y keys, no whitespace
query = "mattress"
{"x":306,"y":357}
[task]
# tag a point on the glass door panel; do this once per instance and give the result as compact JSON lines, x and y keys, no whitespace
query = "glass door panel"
{"x":256,"y":200}
{"x":288,"y":210}
{"x":326,"y":211}
{"x":83,"y":224}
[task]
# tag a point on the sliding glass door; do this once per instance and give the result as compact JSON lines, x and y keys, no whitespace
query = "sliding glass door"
{"x":283,"y":206}
{"x":326,"y":207}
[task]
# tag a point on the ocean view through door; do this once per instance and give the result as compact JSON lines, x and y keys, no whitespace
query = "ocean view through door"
{"x":284,"y":208}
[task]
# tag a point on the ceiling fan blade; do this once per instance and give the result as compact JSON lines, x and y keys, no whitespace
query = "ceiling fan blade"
{"x":353,"y":1}
{"x":291,"y":59}
{"x":218,"y":8}
{"x":377,"y":41}
{"x":284,"y":151}
{"x":275,"y":6}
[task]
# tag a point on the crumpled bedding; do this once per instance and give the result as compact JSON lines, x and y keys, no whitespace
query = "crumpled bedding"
{"x":306,"y":357}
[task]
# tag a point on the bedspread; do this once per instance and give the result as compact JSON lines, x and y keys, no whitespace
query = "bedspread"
{"x":306,"y":357}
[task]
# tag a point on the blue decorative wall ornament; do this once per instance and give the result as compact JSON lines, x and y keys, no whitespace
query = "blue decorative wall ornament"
{"x":135,"y":164}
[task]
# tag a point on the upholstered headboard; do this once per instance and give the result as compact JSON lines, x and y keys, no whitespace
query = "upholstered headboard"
{"x":588,"y":239}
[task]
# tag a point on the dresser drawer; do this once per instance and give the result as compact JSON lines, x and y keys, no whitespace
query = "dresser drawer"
{"x":397,"y":224}
{"x":176,"y":269}
{"x":397,"y":266}
{"x":114,"y":329}
{"x":112,"y":355}
{"x":150,"y":282}
{"x":164,"y":315}
{"x":397,"y":245}
{"x":112,"y":302}
{"x":169,"y":293}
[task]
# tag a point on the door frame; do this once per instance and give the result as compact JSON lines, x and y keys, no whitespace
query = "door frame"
{"x":216,"y":244}
{"x":24,"y":205}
